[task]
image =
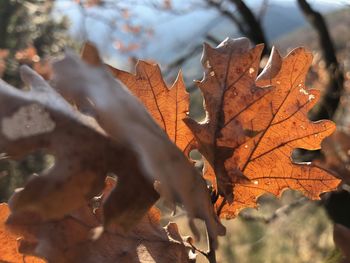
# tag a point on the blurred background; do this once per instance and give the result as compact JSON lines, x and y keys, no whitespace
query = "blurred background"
{"x":171,"y":33}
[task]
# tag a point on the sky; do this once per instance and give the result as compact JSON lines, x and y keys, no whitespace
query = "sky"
{"x":166,"y":35}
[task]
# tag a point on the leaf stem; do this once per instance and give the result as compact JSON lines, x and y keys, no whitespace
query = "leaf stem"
{"x":222,"y":204}
{"x":211,"y":255}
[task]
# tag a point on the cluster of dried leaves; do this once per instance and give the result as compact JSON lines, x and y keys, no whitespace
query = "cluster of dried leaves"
{"x":94,"y":126}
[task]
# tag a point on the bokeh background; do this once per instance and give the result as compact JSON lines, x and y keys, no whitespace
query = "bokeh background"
{"x":171,"y":33}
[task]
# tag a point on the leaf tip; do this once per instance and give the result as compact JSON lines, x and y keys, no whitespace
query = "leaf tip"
{"x":30,"y":77}
{"x":271,"y":68}
{"x":90,"y":54}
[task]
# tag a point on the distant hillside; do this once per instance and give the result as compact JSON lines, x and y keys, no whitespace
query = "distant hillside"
{"x":338,"y":23}
{"x":280,"y":19}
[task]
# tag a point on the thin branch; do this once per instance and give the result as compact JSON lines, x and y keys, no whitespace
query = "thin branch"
{"x":262,"y":11}
{"x":178,"y":62}
{"x":211,"y":255}
{"x":221,"y":206}
{"x":330,"y":101}
{"x":255,"y":31}
{"x":213,"y":39}
{"x":198,"y":249}
{"x":229,"y":15}
{"x":182,"y":59}
{"x":282,"y":211}
{"x":250,"y":26}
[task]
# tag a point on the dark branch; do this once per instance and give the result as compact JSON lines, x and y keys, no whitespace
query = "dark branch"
{"x":211,"y":256}
{"x":228,"y":14}
{"x":249,"y":26}
{"x":254,"y":29}
{"x":330,"y":101}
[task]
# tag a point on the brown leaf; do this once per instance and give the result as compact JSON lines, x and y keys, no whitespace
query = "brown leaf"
{"x":254,"y":123}
{"x":125,"y":120}
{"x":84,"y":154}
{"x":70,"y":239}
{"x":9,"y":242}
{"x":336,"y":149}
{"x":89,"y":54}
{"x":168,"y":106}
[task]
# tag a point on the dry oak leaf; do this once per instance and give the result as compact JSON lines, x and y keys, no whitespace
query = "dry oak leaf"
{"x":72,"y":239}
{"x":9,"y":242}
{"x":254,"y":123}
{"x":93,"y":89}
{"x":40,"y":119}
{"x":168,"y":106}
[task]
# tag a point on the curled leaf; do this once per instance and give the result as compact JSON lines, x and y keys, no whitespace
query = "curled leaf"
{"x":40,"y":119}
{"x":124,"y":119}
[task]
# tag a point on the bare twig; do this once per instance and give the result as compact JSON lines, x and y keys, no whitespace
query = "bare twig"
{"x":262,"y":11}
{"x":254,"y":29}
{"x":211,"y":255}
{"x":213,"y":39}
{"x":282,"y":211}
{"x":249,"y":25}
{"x":182,"y":59}
{"x":177,"y":63}
{"x":228,"y":14}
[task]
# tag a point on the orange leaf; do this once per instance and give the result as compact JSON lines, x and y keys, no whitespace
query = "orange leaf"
{"x":77,"y":238}
{"x":168,"y":106}
{"x":254,"y":123}
{"x":9,"y":242}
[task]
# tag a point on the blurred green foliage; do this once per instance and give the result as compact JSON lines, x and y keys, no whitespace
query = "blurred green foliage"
{"x":23,"y":24}
{"x":15,"y":173}
{"x":303,"y":235}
